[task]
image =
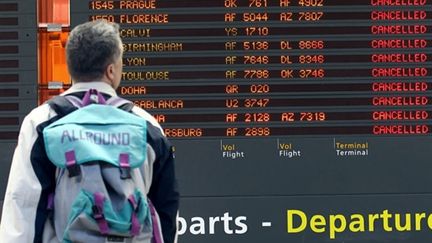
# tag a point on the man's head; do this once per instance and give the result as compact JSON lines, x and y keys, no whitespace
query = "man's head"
{"x":94,"y":53}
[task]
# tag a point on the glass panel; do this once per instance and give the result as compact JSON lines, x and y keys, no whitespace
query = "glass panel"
{"x":53,"y":31}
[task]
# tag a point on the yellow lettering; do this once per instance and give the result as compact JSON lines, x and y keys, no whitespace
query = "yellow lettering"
{"x":418,"y":219}
{"x":386,"y":216}
{"x":429,"y":221}
{"x":298,"y":221}
{"x":407,"y":226}
{"x":357,"y":223}
{"x":372,"y":218}
{"x":334,"y":221}
{"x":318,"y":223}
{"x":290,"y":221}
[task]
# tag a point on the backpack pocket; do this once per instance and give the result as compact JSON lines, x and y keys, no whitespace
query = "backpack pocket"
{"x":93,"y":219}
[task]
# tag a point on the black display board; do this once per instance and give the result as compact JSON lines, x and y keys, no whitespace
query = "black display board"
{"x":18,"y":76}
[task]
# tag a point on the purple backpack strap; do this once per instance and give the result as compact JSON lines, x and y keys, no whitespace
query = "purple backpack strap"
{"x":117,"y":101}
{"x":157,"y":231}
{"x":98,"y":213}
{"x":93,"y":96}
{"x":135,"y":224}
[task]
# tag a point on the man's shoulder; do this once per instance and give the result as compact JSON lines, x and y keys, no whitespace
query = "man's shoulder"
{"x":40,"y":114}
{"x":147,"y":116}
{"x":155,"y":134}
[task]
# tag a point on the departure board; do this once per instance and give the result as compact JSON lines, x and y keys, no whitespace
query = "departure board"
{"x":292,"y":120}
{"x":275,"y":68}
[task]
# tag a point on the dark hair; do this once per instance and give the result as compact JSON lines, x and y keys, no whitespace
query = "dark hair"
{"x":91,"y":47}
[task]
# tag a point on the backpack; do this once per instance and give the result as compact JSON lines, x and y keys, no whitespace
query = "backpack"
{"x":100,"y":154}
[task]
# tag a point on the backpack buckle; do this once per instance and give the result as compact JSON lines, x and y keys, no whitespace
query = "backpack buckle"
{"x":74,"y":170}
{"x":125,"y":170}
{"x":92,"y":96}
{"x":97,"y":213}
{"x":125,"y":173}
{"x":71,"y":164}
{"x":115,"y":239}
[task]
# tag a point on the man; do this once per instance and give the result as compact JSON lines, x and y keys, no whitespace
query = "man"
{"x":94,"y":58}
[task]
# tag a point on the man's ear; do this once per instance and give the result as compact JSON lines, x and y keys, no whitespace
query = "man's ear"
{"x":110,"y":72}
